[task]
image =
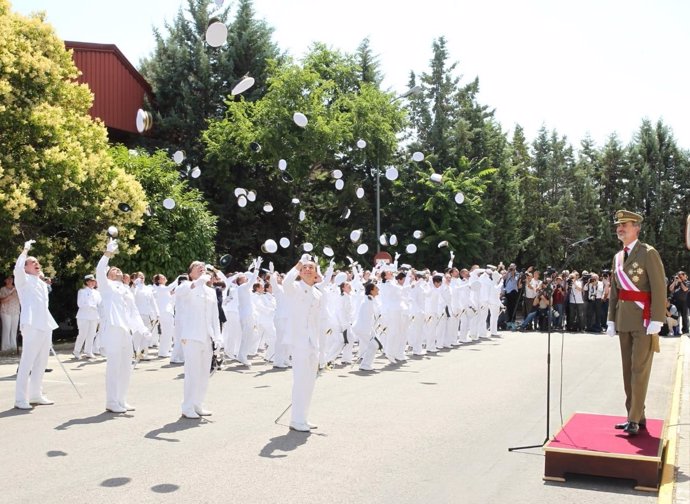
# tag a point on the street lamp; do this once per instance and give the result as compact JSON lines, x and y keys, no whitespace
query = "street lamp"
{"x":410,"y":92}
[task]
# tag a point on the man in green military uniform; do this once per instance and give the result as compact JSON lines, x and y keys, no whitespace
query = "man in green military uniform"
{"x":636,"y":311}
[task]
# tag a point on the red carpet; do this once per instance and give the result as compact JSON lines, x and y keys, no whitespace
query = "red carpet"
{"x":589,"y":432}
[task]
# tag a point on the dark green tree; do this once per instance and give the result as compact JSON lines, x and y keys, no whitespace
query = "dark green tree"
{"x":191,"y":80}
{"x":168,"y":239}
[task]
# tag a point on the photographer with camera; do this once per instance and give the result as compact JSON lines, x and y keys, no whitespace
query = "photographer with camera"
{"x":679,"y":296}
{"x":576,"y":307}
{"x":559,"y":297}
{"x":540,"y":309}
{"x":510,"y":286}
{"x":595,"y":292}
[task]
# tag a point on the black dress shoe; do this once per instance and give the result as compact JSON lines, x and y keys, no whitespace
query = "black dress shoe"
{"x":632,"y":428}
{"x":623,"y":425}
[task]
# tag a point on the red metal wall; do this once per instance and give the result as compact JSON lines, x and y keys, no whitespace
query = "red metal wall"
{"x":118,"y":88}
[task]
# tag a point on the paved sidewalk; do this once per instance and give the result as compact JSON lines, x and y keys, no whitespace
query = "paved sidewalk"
{"x":435,"y":429}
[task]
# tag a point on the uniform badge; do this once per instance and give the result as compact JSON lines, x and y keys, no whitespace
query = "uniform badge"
{"x":635,"y":265}
{"x":640,"y":271}
{"x":630,"y":272}
{"x":635,"y":279}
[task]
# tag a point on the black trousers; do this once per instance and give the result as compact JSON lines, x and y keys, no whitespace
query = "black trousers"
{"x":511,"y":305}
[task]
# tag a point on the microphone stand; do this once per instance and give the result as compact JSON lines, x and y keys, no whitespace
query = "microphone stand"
{"x":548,"y":359}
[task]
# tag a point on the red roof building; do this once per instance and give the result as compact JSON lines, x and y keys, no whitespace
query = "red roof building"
{"x":119,"y":89}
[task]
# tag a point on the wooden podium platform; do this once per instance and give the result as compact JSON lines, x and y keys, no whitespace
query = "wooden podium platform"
{"x":589,"y":444}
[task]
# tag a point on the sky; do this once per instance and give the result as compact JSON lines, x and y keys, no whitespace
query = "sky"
{"x":585,"y":67}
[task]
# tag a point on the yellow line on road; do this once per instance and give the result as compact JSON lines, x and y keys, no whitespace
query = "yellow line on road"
{"x":669,"y":461}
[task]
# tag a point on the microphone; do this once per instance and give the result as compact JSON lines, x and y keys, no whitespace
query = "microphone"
{"x":581,"y":242}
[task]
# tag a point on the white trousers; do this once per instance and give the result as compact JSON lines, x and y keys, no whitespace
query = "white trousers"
{"x":118,"y":370}
{"x":367,"y":352}
{"x":494,"y":312}
{"x":177,"y":353}
{"x":87,"y":333}
{"x":10,"y":324}
{"x":305,"y":364}
{"x":32,"y":364}
{"x":167,"y":327}
{"x":465,"y":325}
{"x":249,"y":338}
{"x":415,"y":332}
{"x":452,"y":327}
{"x":282,"y":355}
{"x":197,"y":370}
{"x":232,"y":334}
{"x":430,"y":323}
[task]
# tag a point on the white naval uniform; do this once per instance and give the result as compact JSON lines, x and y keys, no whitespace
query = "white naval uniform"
{"x":163,"y":294}
{"x":433,"y":317}
{"x":88,"y":301}
{"x":232,"y":329}
{"x":415,"y":332}
{"x":37,"y":325}
{"x":281,"y":358}
{"x":120,"y":319}
{"x":475,"y":301}
{"x":392,"y":311}
{"x":265,"y":307}
{"x":466,"y":309}
{"x":495,"y":304}
{"x":365,"y":327}
{"x":199,"y":325}
{"x":485,"y":297}
{"x":303,"y":332}
{"x":248,"y":341}
{"x":148,"y":310}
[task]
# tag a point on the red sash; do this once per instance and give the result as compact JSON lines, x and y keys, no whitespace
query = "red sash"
{"x":643,"y":297}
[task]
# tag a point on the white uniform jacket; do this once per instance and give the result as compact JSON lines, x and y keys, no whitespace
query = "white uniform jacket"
{"x":33,"y":299}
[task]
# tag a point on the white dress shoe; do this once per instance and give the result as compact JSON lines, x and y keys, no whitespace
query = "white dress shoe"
{"x":312,"y":426}
{"x":116,"y":409}
{"x":129,"y":407}
{"x":76,"y":356}
{"x":365,"y":368}
{"x":43,"y":401}
{"x":203,"y":412}
{"x":191,"y":414}
{"x":23,"y":405}
{"x":90,"y":356}
{"x":299,"y":427}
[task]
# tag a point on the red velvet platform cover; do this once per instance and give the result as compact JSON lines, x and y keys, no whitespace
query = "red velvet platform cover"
{"x":596,"y":433}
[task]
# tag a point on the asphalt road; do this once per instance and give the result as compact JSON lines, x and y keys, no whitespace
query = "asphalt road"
{"x":435,"y":429}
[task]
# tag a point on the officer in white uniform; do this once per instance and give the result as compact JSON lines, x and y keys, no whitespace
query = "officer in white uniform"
{"x":199,"y":325}
{"x":303,"y":337}
{"x":120,"y":319}
{"x":37,"y":325}
{"x":88,"y":301}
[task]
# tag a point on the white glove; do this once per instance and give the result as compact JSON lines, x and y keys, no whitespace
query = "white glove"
{"x":351,"y":260}
{"x":397,"y":256}
{"x":305,"y":258}
{"x":611,"y":328}
{"x":202,"y":280}
{"x":654,"y":327}
{"x":112,"y":246}
{"x":331,"y":264}
{"x":259,"y":261}
{"x":271,"y":268}
{"x":27,"y":244}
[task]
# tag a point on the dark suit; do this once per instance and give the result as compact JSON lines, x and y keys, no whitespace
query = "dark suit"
{"x":645,"y":269}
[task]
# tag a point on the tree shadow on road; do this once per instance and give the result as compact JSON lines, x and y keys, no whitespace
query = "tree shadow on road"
{"x":285,"y":443}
